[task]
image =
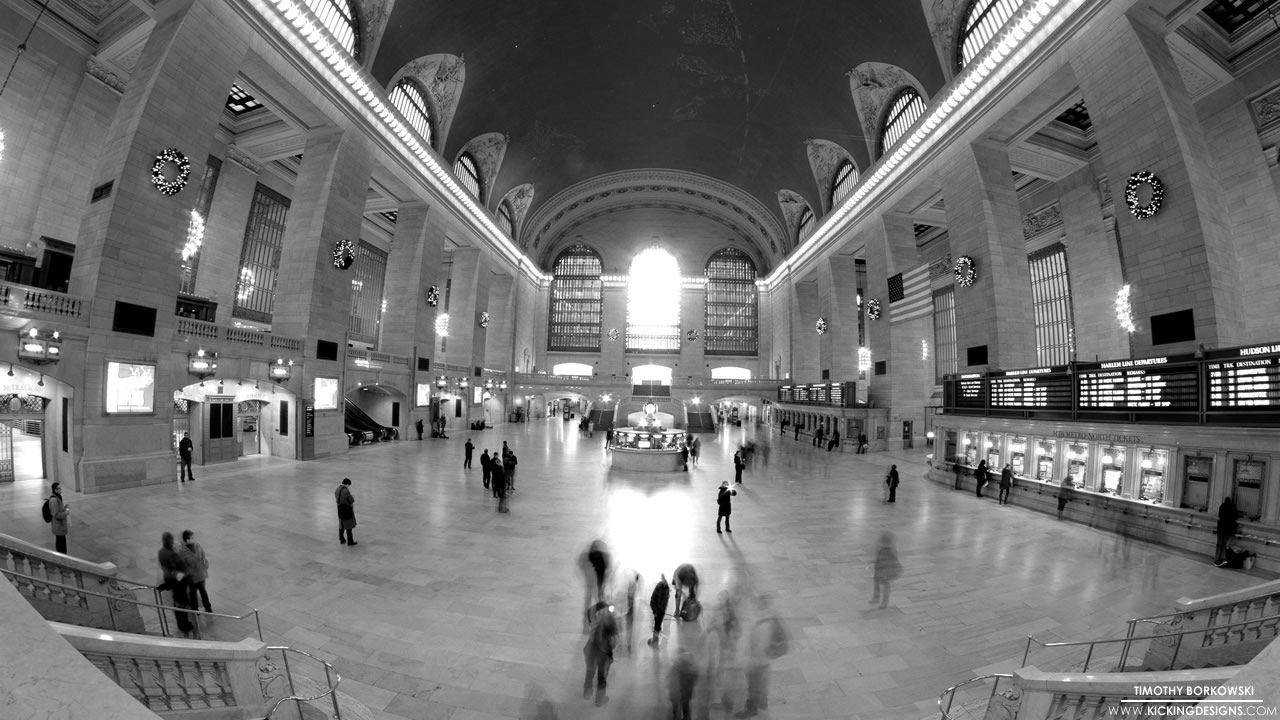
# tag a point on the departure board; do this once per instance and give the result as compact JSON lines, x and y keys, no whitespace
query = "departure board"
{"x":836,"y":394}
{"x":1154,"y":386}
{"x":1044,"y":389}
{"x":818,"y":393}
{"x":1243,"y":384}
{"x":785,"y":394}
{"x":971,"y":391}
{"x":802,"y":393}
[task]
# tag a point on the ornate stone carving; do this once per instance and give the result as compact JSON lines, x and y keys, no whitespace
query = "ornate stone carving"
{"x":942,"y":16}
{"x":237,"y":154}
{"x":271,"y":680}
{"x":488,"y":150}
{"x":519,"y":198}
{"x":99,"y":72}
{"x":1266,"y":108}
{"x":443,"y":77}
{"x":872,"y":85}
{"x":1037,"y":221}
{"x":824,"y":157}
{"x":373,"y":20}
{"x":792,"y":204}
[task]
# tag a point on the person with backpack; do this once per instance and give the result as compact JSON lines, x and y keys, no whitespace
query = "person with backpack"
{"x":658,"y":604}
{"x":768,"y":642}
{"x":197,"y":564}
{"x":55,"y":513}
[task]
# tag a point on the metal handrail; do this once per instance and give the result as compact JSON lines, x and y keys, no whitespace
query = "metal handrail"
{"x":950,"y":693}
{"x":1275,"y":597}
{"x":329,"y":674}
{"x":158,"y":606}
{"x":1130,"y":640}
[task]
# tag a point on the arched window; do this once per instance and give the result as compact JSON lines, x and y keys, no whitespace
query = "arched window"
{"x":732,"y":311}
{"x":846,"y":179}
{"x":982,"y":21}
{"x":468,"y":174}
{"x":339,"y":18}
{"x":653,"y":302}
{"x":505,"y":222}
{"x":577,"y":297}
{"x":903,"y":112}
{"x":407,"y":97}
{"x":806,"y":224}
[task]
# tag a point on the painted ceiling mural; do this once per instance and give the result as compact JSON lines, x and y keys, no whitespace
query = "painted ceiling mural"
{"x":724,"y":88}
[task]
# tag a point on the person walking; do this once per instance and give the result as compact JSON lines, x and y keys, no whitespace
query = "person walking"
{"x":1006,"y":483}
{"x":467,"y":450}
{"x":684,"y":455}
{"x":633,"y":587}
{"x":598,"y":559}
{"x":346,"y":511}
{"x":682,"y":679}
{"x":598,"y":651}
{"x":724,"y":501}
{"x":834,"y":442}
{"x":57,"y":517}
{"x":509,"y":468}
{"x":197,"y":566}
{"x":891,"y":481}
{"x":1228,"y":523}
{"x":980,"y":477}
{"x":185,"y":450}
{"x":887,"y":569}
{"x":686,"y":579}
{"x":959,"y":469}
{"x":419,"y":427}
{"x":658,"y":605}
{"x":738,"y":465}
{"x":1065,"y":490}
{"x":486,"y":467}
{"x":818,"y":434}
{"x":501,"y":487}
{"x":767,"y":642}
{"x":173,"y":573}
{"x":695,"y":449}
{"x":799,"y":427}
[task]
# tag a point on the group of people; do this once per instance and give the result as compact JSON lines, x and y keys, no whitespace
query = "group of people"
{"x":498,"y":472}
{"x":437,"y":428}
{"x":184,"y":570}
{"x":982,"y":476}
{"x":715,"y":653}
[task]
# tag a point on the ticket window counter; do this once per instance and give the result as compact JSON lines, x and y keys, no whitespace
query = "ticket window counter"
{"x":1018,"y":456}
{"x":1046,"y":454}
{"x":969,"y":442}
{"x":992,"y":447}
{"x":1196,"y":472}
{"x":1078,"y":464}
{"x":1111,"y":472}
{"x":1246,"y":487}
{"x":1151,"y":480}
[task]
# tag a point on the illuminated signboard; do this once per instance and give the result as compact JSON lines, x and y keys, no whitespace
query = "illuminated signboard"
{"x":130,"y":387}
{"x":1039,"y":388}
{"x":1244,"y":383}
{"x":971,"y":391}
{"x":836,"y":394}
{"x":802,"y":393}
{"x":785,"y":394}
{"x":818,"y":393}
{"x":1148,"y":384}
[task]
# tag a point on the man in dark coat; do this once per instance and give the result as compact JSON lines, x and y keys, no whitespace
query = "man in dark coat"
{"x":725,"y":503}
{"x":1227,"y":526}
{"x":892,"y":481}
{"x":486,"y":466}
{"x":509,"y":468}
{"x":1006,"y":483}
{"x":980,"y":477}
{"x":501,"y":488}
{"x":684,"y":456}
{"x":185,"y":449}
{"x":346,"y":511}
{"x":658,"y":604}
{"x":835,"y":440}
{"x":738,"y":465}
{"x":467,"y":450}
{"x":598,"y":650}
{"x":418,"y":426}
{"x":173,"y":573}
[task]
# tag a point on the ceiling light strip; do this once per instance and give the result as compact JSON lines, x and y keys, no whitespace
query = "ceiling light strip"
{"x":1022,"y":36}
{"x":294,"y":21}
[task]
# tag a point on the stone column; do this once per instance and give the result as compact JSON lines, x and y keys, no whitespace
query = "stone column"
{"x":805,"y":308}
{"x":692,"y":317}
{"x":613,"y":356}
{"x":1094,"y":269}
{"x":313,"y":298}
{"x":498,"y":338}
{"x":838,"y":286}
{"x":1144,"y":119}
{"x":468,"y":298}
{"x":984,"y":222}
{"x":219,"y":269}
{"x":412,"y":268}
{"x":127,"y":249}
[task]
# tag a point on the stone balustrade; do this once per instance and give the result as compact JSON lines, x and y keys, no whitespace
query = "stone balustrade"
{"x":39,"y":302}
{"x":1038,"y":695}
{"x":191,"y":328}
{"x":372,"y":360}
{"x":1225,"y":629}
{"x":51,"y":580}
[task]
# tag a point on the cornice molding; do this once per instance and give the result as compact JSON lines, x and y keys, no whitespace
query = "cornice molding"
{"x":99,"y":72}
{"x":238,"y":155}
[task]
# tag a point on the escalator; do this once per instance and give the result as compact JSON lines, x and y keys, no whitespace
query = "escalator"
{"x":361,"y":428}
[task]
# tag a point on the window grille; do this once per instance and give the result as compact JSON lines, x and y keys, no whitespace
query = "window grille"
{"x":846,"y":180}
{"x":468,"y":174}
{"x":904,"y":111}
{"x":260,"y":256}
{"x":945,"y":358}
{"x":732,"y":307}
{"x":339,"y":18}
{"x":505,"y":223}
{"x":407,"y":97}
{"x":653,"y":303}
{"x":189,"y":265}
{"x":807,"y":222}
{"x":368,"y":278}
{"x":1051,"y":301}
{"x":577,"y":300}
{"x":982,"y":22}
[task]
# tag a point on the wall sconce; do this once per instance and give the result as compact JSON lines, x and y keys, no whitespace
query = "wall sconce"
{"x":697,"y":400}
{"x":40,"y":350}
{"x":488,"y":384}
{"x":464,"y":384}
{"x":441,"y":382}
{"x":502,"y":385}
{"x":202,"y":364}
{"x":280,"y":370}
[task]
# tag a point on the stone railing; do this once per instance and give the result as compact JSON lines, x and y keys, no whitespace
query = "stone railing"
{"x":217,"y":333}
{"x":1228,"y":629}
{"x":50,"y":580}
{"x":372,"y":360}
{"x":678,"y":383}
{"x":35,"y":301}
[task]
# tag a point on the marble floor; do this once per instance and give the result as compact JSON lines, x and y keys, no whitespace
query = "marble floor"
{"x":449,"y":610}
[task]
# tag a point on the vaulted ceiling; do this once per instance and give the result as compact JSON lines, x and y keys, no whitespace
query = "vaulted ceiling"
{"x":729,"y":89}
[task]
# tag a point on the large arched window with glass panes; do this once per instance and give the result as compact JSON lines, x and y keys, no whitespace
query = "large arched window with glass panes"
{"x":732,"y":309}
{"x":805,"y":226}
{"x":653,"y":302}
{"x":899,"y":116}
{"x":983,"y":20}
{"x":408,"y":98}
{"x":468,"y":173}
{"x":505,"y":222}
{"x":846,"y":178}
{"x":339,"y":18}
{"x":577,"y":300}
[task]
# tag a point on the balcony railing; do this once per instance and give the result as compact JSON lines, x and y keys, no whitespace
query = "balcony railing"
{"x":37,"y":301}
{"x":370,"y":360}
{"x":237,"y":336}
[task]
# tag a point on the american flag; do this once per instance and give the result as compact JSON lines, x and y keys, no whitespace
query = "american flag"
{"x":910,"y":296}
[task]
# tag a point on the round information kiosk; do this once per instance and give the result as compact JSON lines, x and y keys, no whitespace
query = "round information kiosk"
{"x":648,"y":446}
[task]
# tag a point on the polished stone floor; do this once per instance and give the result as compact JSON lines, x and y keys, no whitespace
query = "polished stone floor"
{"x":447,"y":609}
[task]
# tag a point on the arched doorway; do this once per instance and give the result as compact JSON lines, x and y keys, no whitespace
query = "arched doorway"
{"x":34,"y":446}
{"x":375,"y":409}
{"x":231,"y":418}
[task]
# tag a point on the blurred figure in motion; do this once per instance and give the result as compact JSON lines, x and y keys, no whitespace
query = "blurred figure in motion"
{"x":723,"y":633}
{"x":768,"y":642}
{"x":633,"y":587}
{"x":887,"y":569}
{"x":594,"y":564}
{"x":682,"y":680}
{"x":658,"y":604}
{"x":598,"y":651}
{"x":686,"y":579}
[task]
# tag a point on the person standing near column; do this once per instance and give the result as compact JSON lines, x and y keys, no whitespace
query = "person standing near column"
{"x":346,"y":511}
{"x":725,"y":502}
{"x":58,"y":511}
{"x":467,"y":449}
{"x":185,"y":449}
